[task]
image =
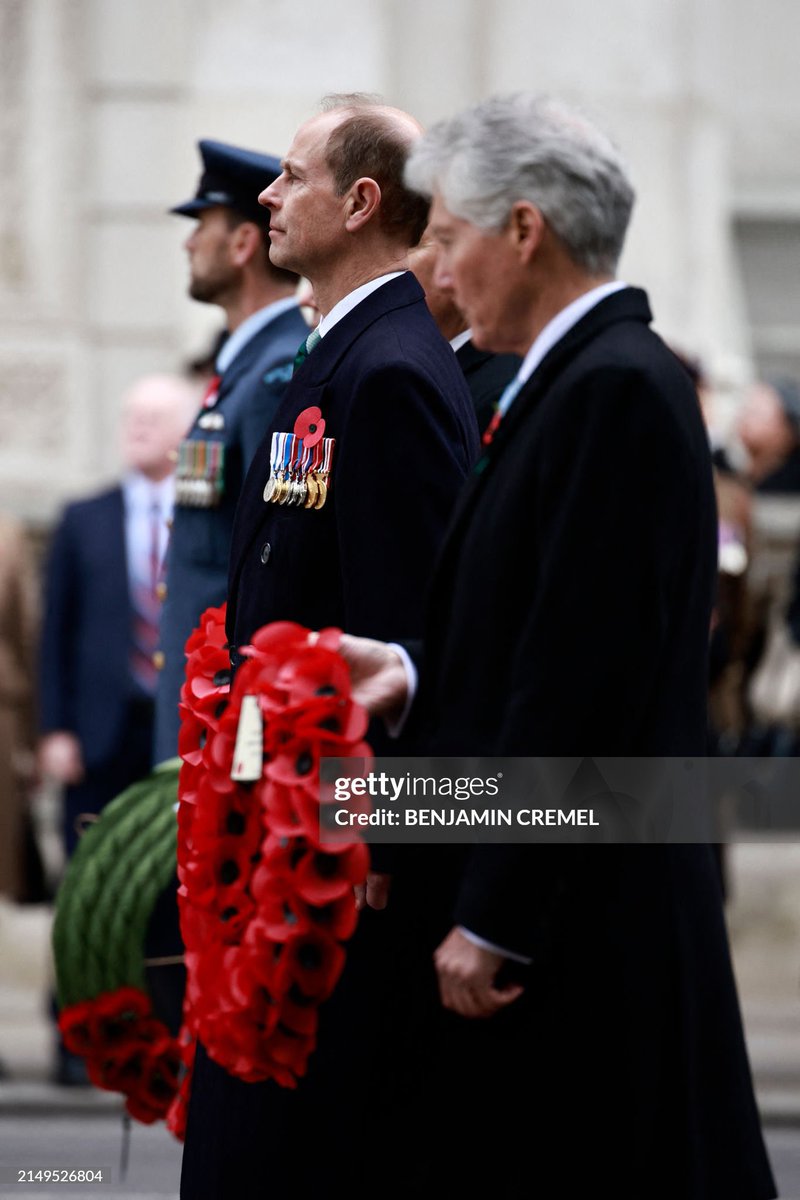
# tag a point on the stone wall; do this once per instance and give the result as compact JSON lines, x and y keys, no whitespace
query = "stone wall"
{"x":102,"y":102}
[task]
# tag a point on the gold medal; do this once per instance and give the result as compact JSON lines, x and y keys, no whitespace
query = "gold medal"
{"x":312,"y":490}
{"x":323,"y":493}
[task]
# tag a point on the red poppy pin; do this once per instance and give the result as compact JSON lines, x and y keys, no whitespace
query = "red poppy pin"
{"x":310,"y":426}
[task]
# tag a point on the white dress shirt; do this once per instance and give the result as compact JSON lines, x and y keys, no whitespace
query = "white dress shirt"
{"x":140,"y":495}
{"x":351,"y":300}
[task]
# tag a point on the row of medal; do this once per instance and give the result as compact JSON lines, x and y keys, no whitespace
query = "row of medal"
{"x":200,"y":473}
{"x":299,"y":474}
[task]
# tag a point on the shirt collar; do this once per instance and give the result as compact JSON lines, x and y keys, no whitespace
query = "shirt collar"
{"x":461,"y":339}
{"x":349,"y":302}
{"x":248,"y":330}
{"x":561,"y":324}
{"x":141,"y":493}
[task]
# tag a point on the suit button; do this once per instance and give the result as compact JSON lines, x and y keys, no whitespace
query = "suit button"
{"x":158,"y":660}
{"x":266,"y":550}
{"x":161,"y":590}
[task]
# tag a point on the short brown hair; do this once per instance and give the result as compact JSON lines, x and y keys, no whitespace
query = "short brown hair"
{"x":368,"y":143}
{"x":277,"y":274}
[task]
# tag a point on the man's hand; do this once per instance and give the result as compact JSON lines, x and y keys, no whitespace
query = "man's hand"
{"x":377,"y":675}
{"x":466,"y":978}
{"x":374,"y":893}
{"x":60,"y":758}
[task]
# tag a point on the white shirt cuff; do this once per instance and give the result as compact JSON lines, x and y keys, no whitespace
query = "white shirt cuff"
{"x":395,"y":728}
{"x":484,"y":945}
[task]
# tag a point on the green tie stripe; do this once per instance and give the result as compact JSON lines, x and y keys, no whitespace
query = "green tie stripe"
{"x":305,"y":348}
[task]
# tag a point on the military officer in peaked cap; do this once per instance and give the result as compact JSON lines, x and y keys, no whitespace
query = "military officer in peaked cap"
{"x":229,"y":266}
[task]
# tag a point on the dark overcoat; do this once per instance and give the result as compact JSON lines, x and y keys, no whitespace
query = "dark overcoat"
{"x":570,"y":615}
{"x":394,"y":398}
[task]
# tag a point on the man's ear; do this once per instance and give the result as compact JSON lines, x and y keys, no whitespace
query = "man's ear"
{"x":526,"y":228}
{"x":363,"y":200}
{"x":244,"y":243}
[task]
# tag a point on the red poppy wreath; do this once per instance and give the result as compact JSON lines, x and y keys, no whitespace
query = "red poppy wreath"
{"x":265,"y":905}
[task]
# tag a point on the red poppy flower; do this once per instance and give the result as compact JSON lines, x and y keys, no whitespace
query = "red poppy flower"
{"x":279,"y":912}
{"x":338,"y":918}
{"x":210,"y":631}
{"x":157,"y":1084}
{"x":314,"y":962}
{"x":299,"y":1013}
{"x":310,"y":426}
{"x":291,"y":1050}
{"x":264,"y":906}
{"x":326,"y":875}
{"x":78,"y":1026}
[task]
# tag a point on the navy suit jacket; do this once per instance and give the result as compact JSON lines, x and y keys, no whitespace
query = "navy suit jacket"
{"x":85,"y":682}
{"x":394,"y":398}
{"x":197,"y":559}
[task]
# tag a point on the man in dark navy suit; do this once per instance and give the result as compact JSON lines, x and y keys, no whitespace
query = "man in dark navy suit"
{"x":341,"y":530}
{"x":588,"y":1040}
{"x":229,"y":262}
{"x":101,"y":609}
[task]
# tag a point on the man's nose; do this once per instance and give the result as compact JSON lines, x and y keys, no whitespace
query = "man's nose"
{"x":442,"y":276}
{"x":267,"y":197}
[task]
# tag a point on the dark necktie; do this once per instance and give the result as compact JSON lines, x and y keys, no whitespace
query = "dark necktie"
{"x":305,"y":349}
{"x":146,"y":609}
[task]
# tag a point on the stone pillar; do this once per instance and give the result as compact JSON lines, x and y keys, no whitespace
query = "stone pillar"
{"x":44,"y":414}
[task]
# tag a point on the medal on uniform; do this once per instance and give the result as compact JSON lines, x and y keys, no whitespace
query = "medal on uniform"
{"x":200,"y":475}
{"x":285,"y":483}
{"x":323,"y":479}
{"x":272,"y":482}
{"x":211,"y":420}
{"x":300,"y":464}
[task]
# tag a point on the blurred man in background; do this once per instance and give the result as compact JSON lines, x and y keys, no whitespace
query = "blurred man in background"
{"x":101,"y":614}
{"x":101,"y":610}
{"x":486,"y":373}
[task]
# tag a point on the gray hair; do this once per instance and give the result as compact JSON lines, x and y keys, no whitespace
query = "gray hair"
{"x":524,"y":147}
